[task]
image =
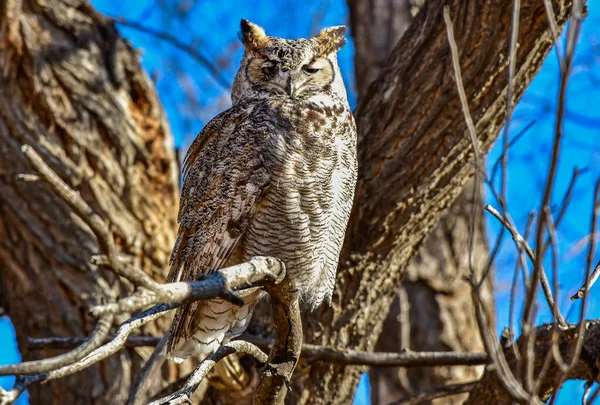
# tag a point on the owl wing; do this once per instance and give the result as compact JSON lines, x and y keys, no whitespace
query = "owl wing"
{"x":224,"y":182}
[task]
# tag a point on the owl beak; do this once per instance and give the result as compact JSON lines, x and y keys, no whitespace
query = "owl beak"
{"x":289,"y":88}
{"x":291,"y":85}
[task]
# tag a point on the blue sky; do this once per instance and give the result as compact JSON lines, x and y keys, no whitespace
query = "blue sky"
{"x":191,"y":97}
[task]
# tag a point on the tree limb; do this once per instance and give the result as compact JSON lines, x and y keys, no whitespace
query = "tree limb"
{"x":183,"y":395}
{"x":489,"y":389}
{"x":311,"y":352}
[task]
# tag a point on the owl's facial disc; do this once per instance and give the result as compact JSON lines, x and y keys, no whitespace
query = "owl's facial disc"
{"x":301,"y":69}
{"x":293,"y":80}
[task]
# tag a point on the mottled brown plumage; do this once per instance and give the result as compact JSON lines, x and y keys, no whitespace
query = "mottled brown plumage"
{"x":274,"y":175}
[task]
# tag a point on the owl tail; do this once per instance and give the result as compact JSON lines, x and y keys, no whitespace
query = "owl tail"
{"x":204,"y":329}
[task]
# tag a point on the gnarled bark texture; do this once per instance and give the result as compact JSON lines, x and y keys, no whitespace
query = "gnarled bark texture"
{"x":414,"y":156}
{"x":433,"y":309}
{"x":75,"y":91}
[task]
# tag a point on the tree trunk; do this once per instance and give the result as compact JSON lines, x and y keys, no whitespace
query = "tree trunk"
{"x":414,"y":159}
{"x":75,"y":91}
{"x":433,"y":309}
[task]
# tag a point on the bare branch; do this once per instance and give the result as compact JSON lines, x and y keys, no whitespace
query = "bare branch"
{"x":437,"y":392}
{"x":87,"y":346}
{"x":313,"y":352}
{"x":285,"y":353}
{"x":188,"y":49}
{"x":461,"y":89}
{"x":572,"y":34}
{"x":490,"y":389}
{"x":85,"y":212}
{"x":592,"y":276}
{"x":183,"y":395}
{"x":522,"y":243}
{"x":255,"y":272}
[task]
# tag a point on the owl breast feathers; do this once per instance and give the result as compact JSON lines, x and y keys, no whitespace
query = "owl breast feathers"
{"x":274,"y":175}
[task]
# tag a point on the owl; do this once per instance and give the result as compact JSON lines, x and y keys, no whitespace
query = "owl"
{"x":274,"y":175}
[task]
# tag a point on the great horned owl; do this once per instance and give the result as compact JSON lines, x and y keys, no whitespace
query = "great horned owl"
{"x":274,"y":175}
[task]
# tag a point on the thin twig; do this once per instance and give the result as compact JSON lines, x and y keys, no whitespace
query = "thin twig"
{"x":521,"y":242}
{"x":461,"y":88}
{"x":572,"y":34}
{"x":188,"y":49}
{"x":138,"y":391}
{"x":434,"y":393}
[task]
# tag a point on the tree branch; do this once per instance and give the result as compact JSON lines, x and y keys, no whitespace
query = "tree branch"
{"x":312,"y":352}
{"x":259,"y":271}
{"x":285,"y":353}
{"x":437,"y":392}
{"x":490,"y":390}
{"x":522,"y":243}
{"x":188,"y":49}
{"x":183,"y":395}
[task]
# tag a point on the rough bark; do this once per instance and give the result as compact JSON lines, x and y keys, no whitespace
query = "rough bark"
{"x":433,"y":310}
{"x":413,"y":144}
{"x":376,"y":26}
{"x":75,"y":91}
{"x":489,"y":390}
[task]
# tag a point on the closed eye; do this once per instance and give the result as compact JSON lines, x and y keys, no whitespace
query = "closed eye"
{"x":311,"y":70}
{"x":270,"y":69}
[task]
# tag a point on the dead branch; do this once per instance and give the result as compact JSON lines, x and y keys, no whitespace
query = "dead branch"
{"x":88,"y":344}
{"x":188,"y":49}
{"x":406,"y":359}
{"x":285,"y":353}
{"x":522,"y":244}
{"x":260,"y":271}
{"x":437,"y":392}
{"x":490,"y":390}
{"x":182,"y":396}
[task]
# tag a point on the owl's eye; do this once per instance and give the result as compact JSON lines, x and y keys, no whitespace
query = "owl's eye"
{"x":270,"y":69}
{"x":310,"y":69}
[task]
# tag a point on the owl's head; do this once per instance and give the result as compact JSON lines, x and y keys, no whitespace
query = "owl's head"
{"x":302,"y":69}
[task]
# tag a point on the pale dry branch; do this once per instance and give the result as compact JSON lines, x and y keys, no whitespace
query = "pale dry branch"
{"x":522,"y":244}
{"x":89,"y":344}
{"x":490,"y":390}
{"x":406,"y":359}
{"x":258,"y":272}
{"x":435,"y":393}
{"x":593,"y":278}
{"x":461,"y":89}
{"x":592,"y":275}
{"x":183,"y":395}
{"x":85,"y":212}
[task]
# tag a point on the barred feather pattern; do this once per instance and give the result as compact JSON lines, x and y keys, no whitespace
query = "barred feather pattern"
{"x":274,"y":175}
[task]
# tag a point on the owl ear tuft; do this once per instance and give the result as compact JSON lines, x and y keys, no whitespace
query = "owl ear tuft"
{"x":331,"y":39}
{"x":252,"y":36}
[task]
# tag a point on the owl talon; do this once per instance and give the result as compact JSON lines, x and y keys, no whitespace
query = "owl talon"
{"x":230,"y":296}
